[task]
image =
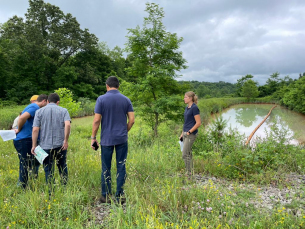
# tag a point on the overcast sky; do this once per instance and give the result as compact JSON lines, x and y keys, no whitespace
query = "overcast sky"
{"x":223,"y":39}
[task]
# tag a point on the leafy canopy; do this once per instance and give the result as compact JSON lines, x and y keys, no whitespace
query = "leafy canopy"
{"x":154,"y":61}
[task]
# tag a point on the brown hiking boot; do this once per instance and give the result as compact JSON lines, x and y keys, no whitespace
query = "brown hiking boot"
{"x":105,"y":200}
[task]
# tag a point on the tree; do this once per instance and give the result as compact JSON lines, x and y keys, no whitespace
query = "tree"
{"x":249,"y":90}
{"x":155,"y":59}
{"x":240,"y":83}
{"x":294,"y":98}
{"x":273,"y":83}
{"x":39,"y":45}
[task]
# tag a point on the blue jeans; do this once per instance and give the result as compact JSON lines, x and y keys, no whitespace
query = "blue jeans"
{"x":121,"y":156}
{"x":59,"y":157}
{"x":27,"y":161}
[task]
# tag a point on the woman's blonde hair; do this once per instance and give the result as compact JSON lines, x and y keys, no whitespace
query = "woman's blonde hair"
{"x":192,"y":95}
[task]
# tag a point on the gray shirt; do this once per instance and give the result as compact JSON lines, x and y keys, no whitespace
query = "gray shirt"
{"x":51,"y":121}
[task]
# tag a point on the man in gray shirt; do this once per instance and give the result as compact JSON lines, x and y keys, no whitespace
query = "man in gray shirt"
{"x":53,"y":124}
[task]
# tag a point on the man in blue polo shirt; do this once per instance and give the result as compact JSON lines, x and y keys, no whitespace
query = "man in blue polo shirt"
{"x":23,"y":140}
{"x":112,"y":110}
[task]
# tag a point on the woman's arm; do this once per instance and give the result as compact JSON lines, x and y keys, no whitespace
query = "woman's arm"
{"x":197,"y":124}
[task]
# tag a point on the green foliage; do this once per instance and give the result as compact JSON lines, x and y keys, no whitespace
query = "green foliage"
{"x":249,"y":90}
{"x":66,"y":101}
{"x":294,"y":98}
{"x":217,"y":128}
{"x":240,"y":83}
{"x":156,"y":195}
{"x":86,"y":107}
{"x":210,"y":90}
{"x":8,"y":114}
{"x":46,"y":50}
{"x":154,"y":60}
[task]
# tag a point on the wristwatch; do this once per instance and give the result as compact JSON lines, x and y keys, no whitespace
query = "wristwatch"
{"x":93,"y":137}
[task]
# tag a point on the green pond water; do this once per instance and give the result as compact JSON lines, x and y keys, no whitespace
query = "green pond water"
{"x":246,"y":117}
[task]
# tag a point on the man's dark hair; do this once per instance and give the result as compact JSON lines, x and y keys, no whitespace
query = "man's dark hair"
{"x":112,"y":81}
{"x":42,"y":97}
{"x":53,"y":98}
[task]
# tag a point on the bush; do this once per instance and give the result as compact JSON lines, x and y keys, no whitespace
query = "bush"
{"x":66,"y":101}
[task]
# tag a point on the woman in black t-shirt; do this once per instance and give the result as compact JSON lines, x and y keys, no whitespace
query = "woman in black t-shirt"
{"x":190,"y":128}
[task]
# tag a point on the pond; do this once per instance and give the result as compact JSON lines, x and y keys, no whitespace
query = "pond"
{"x":246,"y":117}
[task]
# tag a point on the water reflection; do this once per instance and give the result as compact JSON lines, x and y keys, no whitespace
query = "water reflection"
{"x":246,"y":117}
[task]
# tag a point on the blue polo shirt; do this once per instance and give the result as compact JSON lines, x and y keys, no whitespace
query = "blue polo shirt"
{"x":26,"y":131}
{"x":113,"y":106}
{"x":189,"y":119}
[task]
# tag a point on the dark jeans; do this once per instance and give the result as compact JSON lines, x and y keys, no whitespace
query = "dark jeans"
{"x":27,"y":161}
{"x":59,"y":157}
{"x":121,"y":156}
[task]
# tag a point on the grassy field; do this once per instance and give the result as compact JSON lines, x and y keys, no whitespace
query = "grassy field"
{"x":157,"y":194}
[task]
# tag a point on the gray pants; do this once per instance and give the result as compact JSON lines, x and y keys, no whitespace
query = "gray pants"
{"x":187,"y":156}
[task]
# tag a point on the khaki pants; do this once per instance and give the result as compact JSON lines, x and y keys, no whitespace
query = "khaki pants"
{"x":187,"y":156}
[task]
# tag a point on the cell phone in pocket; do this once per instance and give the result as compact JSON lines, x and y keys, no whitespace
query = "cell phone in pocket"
{"x":95,"y":145}
{"x":181,"y":139}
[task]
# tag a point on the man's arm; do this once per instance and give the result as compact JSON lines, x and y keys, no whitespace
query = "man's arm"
{"x":67,"y":134}
{"x":35,"y":133}
{"x":95,"y":125}
{"x":130,"y":123}
{"x":22,"y":119}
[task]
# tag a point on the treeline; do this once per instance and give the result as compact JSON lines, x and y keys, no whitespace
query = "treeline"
{"x":211,"y":89}
{"x":47,"y":50}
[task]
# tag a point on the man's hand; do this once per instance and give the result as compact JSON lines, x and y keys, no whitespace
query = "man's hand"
{"x":65,"y":146}
{"x":32,"y":150}
{"x":16,"y":131}
{"x":92,"y":141}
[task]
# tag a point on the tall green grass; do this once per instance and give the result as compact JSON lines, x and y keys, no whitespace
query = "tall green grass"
{"x":158,"y":195}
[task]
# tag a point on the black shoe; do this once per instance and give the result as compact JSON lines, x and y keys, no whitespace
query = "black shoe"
{"x":105,"y":200}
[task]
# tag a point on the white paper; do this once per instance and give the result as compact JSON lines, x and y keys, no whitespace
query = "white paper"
{"x":7,"y":134}
{"x":40,"y":154}
{"x":181,"y":145}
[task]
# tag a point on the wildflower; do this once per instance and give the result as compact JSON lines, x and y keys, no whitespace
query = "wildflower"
{"x":230,"y":221}
{"x":67,"y":218}
{"x":208,"y":200}
{"x":209,"y":209}
{"x":220,"y":216}
{"x":284,"y":208}
{"x":224,"y":213}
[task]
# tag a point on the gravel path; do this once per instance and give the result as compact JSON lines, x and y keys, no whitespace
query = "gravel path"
{"x":266,"y":197}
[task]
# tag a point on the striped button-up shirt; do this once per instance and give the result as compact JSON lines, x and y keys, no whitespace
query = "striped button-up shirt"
{"x":51,"y":121}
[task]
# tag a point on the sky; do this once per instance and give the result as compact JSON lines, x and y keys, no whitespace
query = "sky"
{"x":223,"y":40}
